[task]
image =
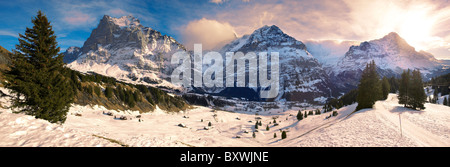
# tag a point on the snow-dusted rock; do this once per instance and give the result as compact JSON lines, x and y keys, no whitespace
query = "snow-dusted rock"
{"x":124,"y":49}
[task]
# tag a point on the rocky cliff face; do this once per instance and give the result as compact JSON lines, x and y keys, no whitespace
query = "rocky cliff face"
{"x":302,"y":77}
{"x":125,"y":49}
{"x":392,"y":54}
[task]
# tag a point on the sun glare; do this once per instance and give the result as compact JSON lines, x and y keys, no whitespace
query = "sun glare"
{"x":416,"y":28}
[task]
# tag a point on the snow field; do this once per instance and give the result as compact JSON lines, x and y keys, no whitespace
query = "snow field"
{"x":377,"y":127}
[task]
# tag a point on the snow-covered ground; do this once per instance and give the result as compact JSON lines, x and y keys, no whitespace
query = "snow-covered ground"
{"x":92,"y":126}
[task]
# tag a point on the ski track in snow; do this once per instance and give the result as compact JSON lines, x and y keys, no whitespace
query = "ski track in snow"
{"x":378,"y":127}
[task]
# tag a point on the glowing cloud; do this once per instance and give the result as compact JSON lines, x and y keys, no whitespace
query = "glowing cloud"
{"x":211,"y":33}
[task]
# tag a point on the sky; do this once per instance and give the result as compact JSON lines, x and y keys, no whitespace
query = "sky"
{"x":424,"y":24}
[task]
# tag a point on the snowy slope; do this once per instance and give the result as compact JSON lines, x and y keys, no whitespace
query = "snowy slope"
{"x":92,"y":126}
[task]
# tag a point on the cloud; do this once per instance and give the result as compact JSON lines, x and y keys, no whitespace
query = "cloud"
{"x":9,"y":33}
{"x":300,"y":19}
{"x":117,"y":12}
{"x":217,"y":1}
{"x":211,"y":33}
{"x":78,"y":18}
{"x":222,"y":1}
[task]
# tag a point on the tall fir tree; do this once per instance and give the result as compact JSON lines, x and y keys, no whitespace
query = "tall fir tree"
{"x":37,"y":76}
{"x":404,"y":87}
{"x":369,"y":88}
{"x":411,"y":92}
{"x":385,"y":87}
{"x":393,"y":83}
{"x":416,"y":91}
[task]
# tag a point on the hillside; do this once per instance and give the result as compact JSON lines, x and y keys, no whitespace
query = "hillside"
{"x":4,"y":56}
{"x":95,"y":89}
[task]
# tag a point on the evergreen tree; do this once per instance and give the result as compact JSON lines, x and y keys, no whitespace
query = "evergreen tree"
{"x":393,"y":82}
{"x":108,"y":92}
{"x":403,"y":88}
{"x":445,"y":103}
{"x":385,"y":88}
{"x":435,"y":97}
{"x":299,"y":115}
{"x":37,"y":76}
{"x":256,"y":125}
{"x":274,"y":135}
{"x":369,"y":88}
{"x":411,"y":93}
{"x":283,"y":135}
{"x":416,"y":92}
{"x":267,"y":127}
{"x":97,"y":90}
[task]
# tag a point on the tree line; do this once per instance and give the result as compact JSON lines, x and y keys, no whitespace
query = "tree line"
{"x":410,"y":88}
{"x":372,"y":87}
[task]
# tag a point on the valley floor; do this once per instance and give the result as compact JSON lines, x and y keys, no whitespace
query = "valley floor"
{"x":92,"y":126}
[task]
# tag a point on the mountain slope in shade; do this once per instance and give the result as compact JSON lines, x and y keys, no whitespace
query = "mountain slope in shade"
{"x":389,"y":52}
{"x":392,"y":54}
{"x":302,"y":77}
{"x":125,"y":49}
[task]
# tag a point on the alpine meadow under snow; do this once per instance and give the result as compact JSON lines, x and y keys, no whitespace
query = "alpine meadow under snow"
{"x":95,"y":126}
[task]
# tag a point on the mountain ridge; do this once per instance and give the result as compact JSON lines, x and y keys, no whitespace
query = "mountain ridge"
{"x":125,"y":49}
{"x":391,"y":53}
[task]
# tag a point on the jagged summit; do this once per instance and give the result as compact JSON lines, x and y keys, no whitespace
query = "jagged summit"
{"x":391,"y":53}
{"x":265,"y":38}
{"x":395,"y":40}
{"x":392,"y":35}
{"x":123,"y":22}
{"x":302,"y":78}
{"x":272,"y":35}
{"x":122,"y":32}
{"x":125,"y":49}
{"x":273,"y":29}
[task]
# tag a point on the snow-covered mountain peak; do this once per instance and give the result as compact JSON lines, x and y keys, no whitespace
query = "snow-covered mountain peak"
{"x":124,"y":21}
{"x":273,"y":29}
{"x":302,"y":78}
{"x":389,"y":52}
{"x":267,"y":39}
{"x":394,"y":41}
{"x":125,"y":49}
{"x":273,"y":36}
